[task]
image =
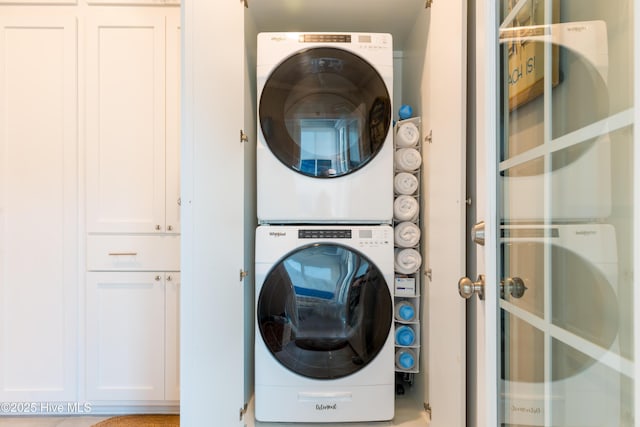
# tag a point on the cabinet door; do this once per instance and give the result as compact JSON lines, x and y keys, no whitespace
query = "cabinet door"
{"x":38,"y":209}
{"x":172,"y":337}
{"x":212,"y":238}
{"x":125,"y":122}
{"x":173,"y":122}
{"x":125,"y":315}
{"x":446,"y":235}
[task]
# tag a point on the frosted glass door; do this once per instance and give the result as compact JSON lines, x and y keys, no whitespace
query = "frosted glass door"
{"x":565,"y":213}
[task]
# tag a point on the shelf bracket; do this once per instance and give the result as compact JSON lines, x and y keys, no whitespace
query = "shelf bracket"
{"x":243,"y":274}
{"x":243,"y":411}
{"x":243,"y":136}
{"x":246,"y":3}
{"x":428,"y":4}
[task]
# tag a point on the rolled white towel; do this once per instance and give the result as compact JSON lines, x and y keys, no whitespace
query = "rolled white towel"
{"x":405,"y":183}
{"x":407,"y":135}
{"x":405,"y":208}
{"x":407,"y":261}
{"x":406,"y":234}
{"x":408,"y":159}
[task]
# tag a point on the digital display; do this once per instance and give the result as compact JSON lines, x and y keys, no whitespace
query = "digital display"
{"x":325,"y":38}
{"x":365,"y":234}
{"x":324,"y":234}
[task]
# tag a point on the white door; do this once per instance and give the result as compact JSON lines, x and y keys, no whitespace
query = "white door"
{"x":39,"y":179}
{"x":561,"y":231}
{"x":125,"y":118}
{"x":212,"y":239}
{"x":126,"y":339}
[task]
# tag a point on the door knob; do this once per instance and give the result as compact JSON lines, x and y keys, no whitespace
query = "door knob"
{"x":466,"y":287}
{"x":514,"y":286}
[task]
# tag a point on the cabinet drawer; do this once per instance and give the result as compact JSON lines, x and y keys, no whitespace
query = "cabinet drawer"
{"x":133,"y":253}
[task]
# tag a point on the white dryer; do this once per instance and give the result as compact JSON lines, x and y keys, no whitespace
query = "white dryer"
{"x":325,"y":140}
{"x":324,"y":349}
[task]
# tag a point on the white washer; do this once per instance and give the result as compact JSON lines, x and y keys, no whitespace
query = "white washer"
{"x":325,"y":140}
{"x":324,"y":349}
{"x":584,"y":301}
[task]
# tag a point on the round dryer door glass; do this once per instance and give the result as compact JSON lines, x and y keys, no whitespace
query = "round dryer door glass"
{"x":324,"y":311}
{"x":325,"y":112}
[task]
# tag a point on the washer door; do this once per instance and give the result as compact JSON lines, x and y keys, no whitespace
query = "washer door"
{"x":324,"y":311}
{"x":325,"y":112}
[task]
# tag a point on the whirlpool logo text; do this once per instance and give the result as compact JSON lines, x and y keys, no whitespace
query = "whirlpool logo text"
{"x":326,"y":407}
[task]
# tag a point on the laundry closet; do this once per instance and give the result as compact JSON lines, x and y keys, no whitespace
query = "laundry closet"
{"x":219,"y":193}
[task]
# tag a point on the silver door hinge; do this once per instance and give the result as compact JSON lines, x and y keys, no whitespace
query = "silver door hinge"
{"x":429,"y":138}
{"x":427,"y":273}
{"x":428,"y":4}
{"x":243,"y":136}
{"x":427,"y":409}
{"x":243,"y":411}
{"x":243,"y":274}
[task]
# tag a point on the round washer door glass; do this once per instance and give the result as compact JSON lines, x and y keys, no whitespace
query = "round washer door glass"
{"x":324,"y":311}
{"x":325,"y":112}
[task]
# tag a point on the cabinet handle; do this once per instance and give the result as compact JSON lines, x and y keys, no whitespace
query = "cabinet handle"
{"x":158,"y":227}
{"x":169,"y":278}
{"x":169,"y":227}
{"x":158,"y":278}
{"x":123,"y":253}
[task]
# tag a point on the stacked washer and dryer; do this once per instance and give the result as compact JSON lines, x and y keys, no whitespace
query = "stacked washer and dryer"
{"x":324,"y":347}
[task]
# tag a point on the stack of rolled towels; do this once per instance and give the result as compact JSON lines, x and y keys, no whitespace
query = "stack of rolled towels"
{"x":407,"y":135}
{"x":406,"y":208}
{"x":405,"y":183}
{"x":407,"y":157}
{"x":406,"y":234}
{"x":407,"y":261}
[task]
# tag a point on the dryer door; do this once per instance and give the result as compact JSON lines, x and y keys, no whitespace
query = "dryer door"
{"x":325,"y":112}
{"x":324,"y":311}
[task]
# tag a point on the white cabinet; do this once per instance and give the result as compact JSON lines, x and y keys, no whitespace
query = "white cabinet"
{"x":39,"y":230}
{"x":432,"y":79}
{"x":133,"y":204}
{"x":132,"y":324}
{"x":132,"y":163}
{"x":89,"y":143}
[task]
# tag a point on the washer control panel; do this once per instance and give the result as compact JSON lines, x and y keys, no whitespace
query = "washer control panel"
{"x":363,"y":237}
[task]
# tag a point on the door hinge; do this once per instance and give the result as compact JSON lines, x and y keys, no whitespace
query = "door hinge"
{"x":427,"y":409}
{"x":243,"y":274}
{"x":429,"y":138}
{"x":428,"y":4}
{"x":243,"y":136}
{"x":427,"y":273}
{"x":243,"y":411}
